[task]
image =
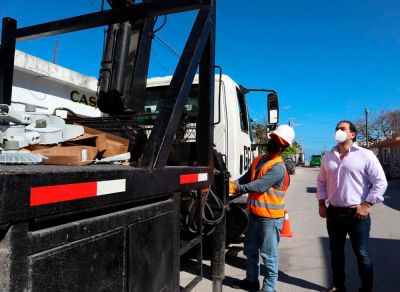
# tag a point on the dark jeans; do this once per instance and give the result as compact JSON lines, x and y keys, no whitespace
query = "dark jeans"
{"x":340,"y":224}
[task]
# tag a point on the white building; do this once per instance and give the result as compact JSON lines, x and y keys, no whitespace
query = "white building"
{"x":43,"y":83}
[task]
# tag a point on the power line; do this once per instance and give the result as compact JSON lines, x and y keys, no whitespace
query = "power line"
{"x":167,"y":46}
{"x":159,"y":63}
{"x":162,"y":66}
{"x":170,"y":49}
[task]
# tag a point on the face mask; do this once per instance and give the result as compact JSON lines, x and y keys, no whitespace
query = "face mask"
{"x":273,"y":147}
{"x":340,"y":136}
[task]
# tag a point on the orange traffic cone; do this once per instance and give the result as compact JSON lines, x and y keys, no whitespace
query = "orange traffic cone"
{"x":286,"y":231}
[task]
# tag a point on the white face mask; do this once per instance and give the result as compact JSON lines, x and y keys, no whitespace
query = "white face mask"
{"x":340,"y":136}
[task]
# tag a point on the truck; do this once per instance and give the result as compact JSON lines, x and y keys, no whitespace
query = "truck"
{"x":126,"y":228}
{"x":316,"y":160}
{"x":59,"y":87}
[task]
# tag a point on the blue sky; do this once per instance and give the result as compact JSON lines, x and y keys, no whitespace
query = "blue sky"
{"x":328,"y":60}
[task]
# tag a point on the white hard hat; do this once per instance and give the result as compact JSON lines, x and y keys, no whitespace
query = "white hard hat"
{"x":285,"y":132}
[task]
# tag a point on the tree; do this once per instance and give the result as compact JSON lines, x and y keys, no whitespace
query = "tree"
{"x":381,"y":126}
{"x":260,"y":132}
{"x":291,"y":150}
{"x":261,"y":137}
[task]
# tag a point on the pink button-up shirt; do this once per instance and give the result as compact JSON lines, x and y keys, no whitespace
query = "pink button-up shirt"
{"x":358,"y":177}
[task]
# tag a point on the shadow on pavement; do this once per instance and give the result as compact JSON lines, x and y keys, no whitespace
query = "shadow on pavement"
{"x":386,"y":258}
{"x":189,"y":265}
{"x":392,"y":195}
{"x":240,"y":263}
{"x":285,"y":278}
{"x":385,"y":255}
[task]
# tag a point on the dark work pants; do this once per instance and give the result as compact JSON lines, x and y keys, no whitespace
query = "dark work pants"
{"x":339,"y":225}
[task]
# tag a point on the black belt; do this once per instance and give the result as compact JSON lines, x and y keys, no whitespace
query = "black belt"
{"x":256,"y":216}
{"x":342,"y":210}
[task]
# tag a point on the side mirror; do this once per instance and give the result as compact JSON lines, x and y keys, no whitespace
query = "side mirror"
{"x":273,"y":108}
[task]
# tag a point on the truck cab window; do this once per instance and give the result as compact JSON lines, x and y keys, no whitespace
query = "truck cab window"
{"x":244,"y":121}
{"x":155,"y":97}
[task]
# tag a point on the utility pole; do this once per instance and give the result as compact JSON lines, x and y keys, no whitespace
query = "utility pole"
{"x":55,"y":53}
{"x":366,"y":127}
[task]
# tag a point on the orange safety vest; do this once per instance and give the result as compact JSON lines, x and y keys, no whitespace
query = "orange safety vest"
{"x":271,"y":203}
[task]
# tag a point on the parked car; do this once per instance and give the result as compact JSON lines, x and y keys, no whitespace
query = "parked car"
{"x":306,"y":163}
{"x":316,"y":160}
{"x":290,"y":165}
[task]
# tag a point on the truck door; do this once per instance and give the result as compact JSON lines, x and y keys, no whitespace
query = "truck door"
{"x":245,"y":157}
{"x":221,"y":126}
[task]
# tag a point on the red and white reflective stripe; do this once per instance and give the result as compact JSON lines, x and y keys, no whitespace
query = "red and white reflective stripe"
{"x":193,"y":178}
{"x":68,"y":192}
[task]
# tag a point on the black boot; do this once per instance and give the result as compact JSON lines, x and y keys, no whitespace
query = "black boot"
{"x":246,"y":285}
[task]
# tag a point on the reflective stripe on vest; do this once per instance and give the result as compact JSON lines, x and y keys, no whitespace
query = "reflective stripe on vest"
{"x":271,"y":203}
{"x":265,"y":205}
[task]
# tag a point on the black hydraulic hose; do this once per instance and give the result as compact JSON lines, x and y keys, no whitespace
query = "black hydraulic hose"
{"x":161,"y":26}
{"x":213,"y":222}
{"x":219,"y":204}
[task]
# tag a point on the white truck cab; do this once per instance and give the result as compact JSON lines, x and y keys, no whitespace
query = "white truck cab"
{"x":232,"y":128}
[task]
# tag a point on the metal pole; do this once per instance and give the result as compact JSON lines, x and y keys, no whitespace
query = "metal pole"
{"x":218,"y":239}
{"x":366,"y":127}
{"x":218,"y":256}
{"x":7,"y":52}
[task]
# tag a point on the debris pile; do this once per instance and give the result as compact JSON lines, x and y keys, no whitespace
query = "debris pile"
{"x":30,"y":137}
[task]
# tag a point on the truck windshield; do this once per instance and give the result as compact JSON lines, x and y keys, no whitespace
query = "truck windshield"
{"x":155,"y":97}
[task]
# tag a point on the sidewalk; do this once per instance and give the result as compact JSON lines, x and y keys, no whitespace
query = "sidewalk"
{"x":392,"y":195}
{"x":304,"y":259}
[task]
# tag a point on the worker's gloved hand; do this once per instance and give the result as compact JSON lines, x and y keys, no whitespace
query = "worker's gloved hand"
{"x":233,"y":188}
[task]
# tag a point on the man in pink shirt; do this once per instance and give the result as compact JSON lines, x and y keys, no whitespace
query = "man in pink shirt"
{"x":351,"y":180}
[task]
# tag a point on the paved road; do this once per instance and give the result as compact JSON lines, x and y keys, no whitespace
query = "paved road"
{"x":304,"y":259}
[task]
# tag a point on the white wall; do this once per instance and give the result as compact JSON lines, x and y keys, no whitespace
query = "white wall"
{"x":50,"y":86}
